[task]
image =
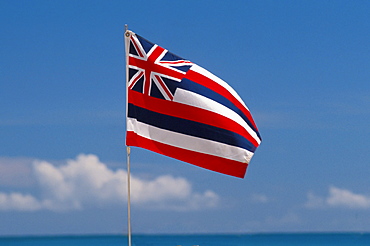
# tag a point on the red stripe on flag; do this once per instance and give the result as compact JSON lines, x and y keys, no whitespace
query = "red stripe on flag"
{"x":177,"y":62}
{"x":188,"y":112}
{"x":210,"y":84}
{"x":210,"y":162}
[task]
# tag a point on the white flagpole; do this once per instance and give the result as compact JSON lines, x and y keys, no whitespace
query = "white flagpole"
{"x":126,"y":35}
{"x":128,"y":197}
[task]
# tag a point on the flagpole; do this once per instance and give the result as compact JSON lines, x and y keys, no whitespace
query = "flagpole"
{"x":128,"y":197}
{"x":128,"y":150}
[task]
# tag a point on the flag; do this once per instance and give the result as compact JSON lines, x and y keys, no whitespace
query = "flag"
{"x":178,"y":109}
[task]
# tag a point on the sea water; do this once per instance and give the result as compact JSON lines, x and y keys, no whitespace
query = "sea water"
{"x":286,"y":239}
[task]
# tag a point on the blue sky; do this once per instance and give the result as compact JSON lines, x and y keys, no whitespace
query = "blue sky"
{"x":302,"y":67}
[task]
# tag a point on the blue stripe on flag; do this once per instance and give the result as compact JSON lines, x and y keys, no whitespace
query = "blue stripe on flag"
{"x":206,"y":92}
{"x":189,"y":127}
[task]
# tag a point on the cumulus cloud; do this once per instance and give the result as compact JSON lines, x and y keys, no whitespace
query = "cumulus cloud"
{"x":18,"y":201}
{"x":345,"y":198}
{"x":86,"y":182}
{"x":259,"y":198}
{"x":338,"y":198}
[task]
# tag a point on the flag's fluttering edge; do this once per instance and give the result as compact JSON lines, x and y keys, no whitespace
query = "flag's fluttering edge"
{"x":178,"y":109}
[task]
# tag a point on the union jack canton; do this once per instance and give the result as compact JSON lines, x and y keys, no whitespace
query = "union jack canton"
{"x":153,"y":70}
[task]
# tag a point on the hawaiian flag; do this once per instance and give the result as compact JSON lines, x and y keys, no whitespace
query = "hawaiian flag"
{"x":178,"y":109}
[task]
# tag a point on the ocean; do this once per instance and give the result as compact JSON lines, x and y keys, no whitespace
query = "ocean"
{"x":286,"y":239}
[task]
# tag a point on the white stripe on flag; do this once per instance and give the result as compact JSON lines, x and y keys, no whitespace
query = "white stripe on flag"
{"x":219,"y":81}
{"x":199,"y":101}
{"x":189,"y":142}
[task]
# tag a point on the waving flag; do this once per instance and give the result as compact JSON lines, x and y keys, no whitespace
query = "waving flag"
{"x":178,"y":109}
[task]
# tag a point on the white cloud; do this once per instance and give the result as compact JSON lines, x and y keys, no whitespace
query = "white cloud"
{"x":338,"y":198}
{"x":314,"y":201}
{"x":345,"y":198}
{"x":167,"y":192}
{"x":259,"y":198}
{"x":17,"y":201}
{"x":86,"y":182}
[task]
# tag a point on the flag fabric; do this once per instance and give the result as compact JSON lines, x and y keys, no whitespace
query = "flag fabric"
{"x":178,"y":109}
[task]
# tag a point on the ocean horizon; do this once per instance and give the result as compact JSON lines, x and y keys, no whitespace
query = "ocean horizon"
{"x":255,"y":239}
